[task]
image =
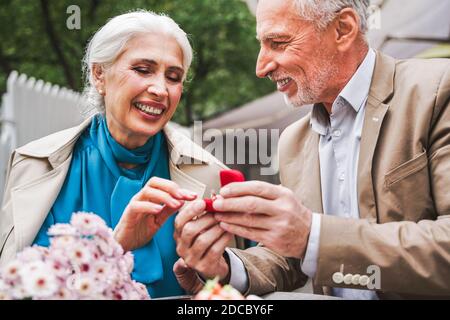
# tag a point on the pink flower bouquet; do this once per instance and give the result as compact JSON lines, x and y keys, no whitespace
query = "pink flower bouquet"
{"x":83,"y":262}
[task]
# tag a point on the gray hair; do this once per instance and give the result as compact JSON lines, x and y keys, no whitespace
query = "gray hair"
{"x":322,"y":12}
{"x":109,"y":41}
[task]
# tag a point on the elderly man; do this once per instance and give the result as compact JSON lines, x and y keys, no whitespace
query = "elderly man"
{"x":364,"y":206}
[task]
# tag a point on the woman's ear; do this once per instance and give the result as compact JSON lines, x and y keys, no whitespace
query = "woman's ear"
{"x":98,"y":74}
{"x":346,"y":28}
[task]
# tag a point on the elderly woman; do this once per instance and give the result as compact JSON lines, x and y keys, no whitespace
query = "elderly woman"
{"x":125,"y":163}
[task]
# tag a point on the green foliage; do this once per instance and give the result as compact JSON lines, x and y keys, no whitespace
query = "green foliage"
{"x":222,"y":33}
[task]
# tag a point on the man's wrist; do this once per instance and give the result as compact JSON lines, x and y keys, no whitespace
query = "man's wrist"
{"x":227,"y":278}
{"x":309,"y":218}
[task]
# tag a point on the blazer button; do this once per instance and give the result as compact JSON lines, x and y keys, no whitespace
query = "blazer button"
{"x":348,"y":278}
{"x":338,"y":277}
{"x":364,"y":280}
{"x":355,"y":279}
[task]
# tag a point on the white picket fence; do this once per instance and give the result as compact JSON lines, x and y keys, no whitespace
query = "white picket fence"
{"x":32,"y":109}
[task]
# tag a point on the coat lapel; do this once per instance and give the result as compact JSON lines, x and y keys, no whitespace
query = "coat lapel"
{"x":374,"y":116}
{"x":381,"y":90}
{"x":311,"y":186}
{"x":32,"y":202}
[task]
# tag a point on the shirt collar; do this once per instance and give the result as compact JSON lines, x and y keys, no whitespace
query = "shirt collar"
{"x":354,"y":93}
{"x":357,"y":89}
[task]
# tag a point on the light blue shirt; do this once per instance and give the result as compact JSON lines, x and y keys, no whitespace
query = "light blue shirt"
{"x":339,"y":144}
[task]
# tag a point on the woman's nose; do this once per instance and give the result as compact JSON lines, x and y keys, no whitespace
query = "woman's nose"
{"x":158,"y":87}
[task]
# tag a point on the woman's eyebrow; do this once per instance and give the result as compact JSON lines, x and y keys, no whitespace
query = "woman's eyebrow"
{"x":147,"y":61}
{"x":154,"y":63}
{"x":176,"y":69}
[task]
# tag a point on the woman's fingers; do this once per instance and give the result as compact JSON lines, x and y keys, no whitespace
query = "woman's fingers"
{"x":159,"y":197}
{"x":137,"y":207}
{"x":171,"y":188}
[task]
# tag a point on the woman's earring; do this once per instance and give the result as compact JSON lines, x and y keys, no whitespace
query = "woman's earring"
{"x":100,"y":92}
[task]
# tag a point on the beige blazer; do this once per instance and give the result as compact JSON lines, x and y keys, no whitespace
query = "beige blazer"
{"x":37,"y":172}
{"x":403,"y":190}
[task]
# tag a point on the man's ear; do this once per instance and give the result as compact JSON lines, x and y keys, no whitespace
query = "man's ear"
{"x":98,"y":73}
{"x":346,"y":28}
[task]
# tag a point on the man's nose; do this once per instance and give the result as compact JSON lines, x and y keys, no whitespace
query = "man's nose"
{"x":265,"y":64}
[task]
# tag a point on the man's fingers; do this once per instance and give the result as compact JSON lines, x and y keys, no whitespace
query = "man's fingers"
{"x":218,"y":248}
{"x":249,"y":204}
{"x":248,"y":233}
{"x":253,"y":188}
{"x":249,"y":220}
{"x":205,"y":240}
{"x":192,"y":229}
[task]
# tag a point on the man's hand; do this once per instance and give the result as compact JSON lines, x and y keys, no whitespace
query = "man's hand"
{"x":265,"y":213}
{"x":201,"y":242}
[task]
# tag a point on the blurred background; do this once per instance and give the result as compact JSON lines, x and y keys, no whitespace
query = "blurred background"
{"x":42,"y":46}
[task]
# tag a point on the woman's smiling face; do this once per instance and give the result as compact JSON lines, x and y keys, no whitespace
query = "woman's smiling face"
{"x":142,"y":88}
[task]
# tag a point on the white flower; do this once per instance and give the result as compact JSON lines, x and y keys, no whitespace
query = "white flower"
{"x":105,"y":247}
{"x":63,"y":294}
{"x":61,"y":229}
{"x":101,"y":270}
{"x":141,"y":290}
{"x":88,"y":223}
{"x":11,"y":271}
{"x":84,"y":286}
{"x":79,"y":254}
{"x":30,"y":254}
{"x":62,"y":242}
{"x":126,"y":264}
{"x":38,"y":280}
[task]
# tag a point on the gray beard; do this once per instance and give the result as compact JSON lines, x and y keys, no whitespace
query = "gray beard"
{"x":311,"y":94}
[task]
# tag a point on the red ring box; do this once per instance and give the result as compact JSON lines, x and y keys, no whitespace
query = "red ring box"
{"x":226,"y":177}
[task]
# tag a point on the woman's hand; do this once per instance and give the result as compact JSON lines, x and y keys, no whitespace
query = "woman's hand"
{"x":148,"y":210}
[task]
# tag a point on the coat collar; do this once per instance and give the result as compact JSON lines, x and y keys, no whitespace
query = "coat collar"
{"x":58,"y":146}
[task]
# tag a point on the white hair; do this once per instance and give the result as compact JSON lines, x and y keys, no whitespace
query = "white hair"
{"x":322,"y":12}
{"x":110,"y":40}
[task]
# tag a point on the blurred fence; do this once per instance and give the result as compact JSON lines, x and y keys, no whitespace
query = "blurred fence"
{"x":32,"y":109}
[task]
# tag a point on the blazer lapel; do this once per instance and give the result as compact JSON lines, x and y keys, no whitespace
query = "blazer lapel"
{"x":311,"y":184}
{"x":32,"y":202}
{"x":381,"y":89}
{"x":374,"y":117}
